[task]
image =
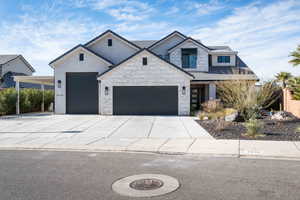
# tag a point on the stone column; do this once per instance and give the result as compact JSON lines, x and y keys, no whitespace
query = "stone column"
{"x":212,"y":91}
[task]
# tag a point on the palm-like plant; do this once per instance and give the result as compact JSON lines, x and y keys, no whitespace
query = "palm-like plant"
{"x":283,"y":77}
{"x":296,"y":57}
{"x":294,"y":86}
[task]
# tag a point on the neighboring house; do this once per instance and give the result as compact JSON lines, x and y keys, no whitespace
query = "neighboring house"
{"x":14,"y":65}
{"x":112,"y":75}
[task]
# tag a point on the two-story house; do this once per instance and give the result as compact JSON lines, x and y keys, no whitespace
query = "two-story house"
{"x":112,"y":75}
{"x":14,"y":65}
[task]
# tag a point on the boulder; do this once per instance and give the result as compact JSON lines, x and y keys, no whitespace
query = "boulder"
{"x":283,"y":116}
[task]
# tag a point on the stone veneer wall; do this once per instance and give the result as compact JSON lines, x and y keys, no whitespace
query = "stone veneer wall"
{"x":155,"y":73}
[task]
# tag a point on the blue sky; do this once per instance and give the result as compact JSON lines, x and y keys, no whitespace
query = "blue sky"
{"x":264,"y":32}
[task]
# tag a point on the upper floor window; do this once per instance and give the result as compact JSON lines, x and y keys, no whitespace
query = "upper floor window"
{"x":189,"y":58}
{"x":145,"y":61}
{"x":81,"y":57}
{"x":223,"y":59}
{"x":109,"y":42}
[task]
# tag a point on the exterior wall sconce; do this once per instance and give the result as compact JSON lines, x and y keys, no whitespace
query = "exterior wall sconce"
{"x":58,"y":83}
{"x":183,"y":90}
{"x":106,"y":90}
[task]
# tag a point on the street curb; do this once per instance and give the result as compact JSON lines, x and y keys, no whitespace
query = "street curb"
{"x":243,"y":156}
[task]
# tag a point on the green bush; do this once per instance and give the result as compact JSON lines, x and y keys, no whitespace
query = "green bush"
{"x":254,"y":128}
{"x":8,"y":99}
{"x":30,"y":100}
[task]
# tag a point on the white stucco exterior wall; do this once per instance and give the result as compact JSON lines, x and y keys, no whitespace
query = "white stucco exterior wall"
{"x":156,"y":73}
{"x":16,"y":65}
{"x":119,"y":50}
{"x":202,"y":56}
{"x":214,"y":60}
{"x":71,"y":63}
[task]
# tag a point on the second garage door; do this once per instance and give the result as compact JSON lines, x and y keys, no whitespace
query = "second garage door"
{"x":145,"y":100}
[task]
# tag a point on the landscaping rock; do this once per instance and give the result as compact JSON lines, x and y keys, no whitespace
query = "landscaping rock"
{"x":231,"y":118}
{"x":283,"y":116}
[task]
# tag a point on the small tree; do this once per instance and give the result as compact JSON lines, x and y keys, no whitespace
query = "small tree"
{"x":283,"y":77}
{"x":296,"y":57}
{"x":246,"y":98}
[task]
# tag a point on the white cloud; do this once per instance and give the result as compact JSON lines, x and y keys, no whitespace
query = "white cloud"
{"x":263,"y":35}
{"x":205,"y":8}
{"x":123,"y":10}
{"x":43,"y":37}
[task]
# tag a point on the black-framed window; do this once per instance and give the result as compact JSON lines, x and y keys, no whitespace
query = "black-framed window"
{"x":223,"y":59}
{"x":81,"y":57}
{"x":109,"y":42}
{"x":189,"y":58}
{"x":145,"y":61}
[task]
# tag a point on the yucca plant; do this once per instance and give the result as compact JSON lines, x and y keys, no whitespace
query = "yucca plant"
{"x":254,"y":128}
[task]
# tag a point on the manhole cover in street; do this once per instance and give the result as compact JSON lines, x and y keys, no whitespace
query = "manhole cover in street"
{"x":145,"y":185}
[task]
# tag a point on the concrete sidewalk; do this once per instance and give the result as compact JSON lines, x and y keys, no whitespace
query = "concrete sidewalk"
{"x":223,"y":148}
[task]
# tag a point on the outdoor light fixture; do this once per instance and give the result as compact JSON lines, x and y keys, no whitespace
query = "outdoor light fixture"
{"x":106,"y":90}
{"x":183,"y":90}
{"x":59,"y":83}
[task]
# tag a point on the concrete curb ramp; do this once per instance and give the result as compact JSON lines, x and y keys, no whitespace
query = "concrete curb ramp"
{"x":227,"y":148}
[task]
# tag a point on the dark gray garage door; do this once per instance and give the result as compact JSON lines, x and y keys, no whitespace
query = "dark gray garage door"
{"x":145,"y":100}
{"x":82,"y":93}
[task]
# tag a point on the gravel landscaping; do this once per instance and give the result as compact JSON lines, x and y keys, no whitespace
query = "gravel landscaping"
{"x":273,"y":130}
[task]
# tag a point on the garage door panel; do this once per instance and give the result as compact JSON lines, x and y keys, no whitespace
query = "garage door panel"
{"x":145,"y":100}
{"x":82,"y":93}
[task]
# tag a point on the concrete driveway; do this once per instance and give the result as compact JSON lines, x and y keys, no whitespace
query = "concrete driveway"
{"x":101,"y":126}
{"x":96,"y":132}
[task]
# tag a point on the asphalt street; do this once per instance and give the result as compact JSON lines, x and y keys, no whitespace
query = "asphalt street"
{"x":53,"y":175}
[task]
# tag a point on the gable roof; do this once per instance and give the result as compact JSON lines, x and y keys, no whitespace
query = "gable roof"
{"x":7,"y":58}
{"x":115,"y":34}
{"x":83,"y":47}
{"x":143,"y":43}
{"x":193,"y":40}
{"x":166,"y":37}
{"x":145,"y":49}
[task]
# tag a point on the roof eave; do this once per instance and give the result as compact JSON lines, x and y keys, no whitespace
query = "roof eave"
{"x":113,"y":33}
{"x":146,"y":49}
{"x":166,"y":37}
{"x":73,"y":49}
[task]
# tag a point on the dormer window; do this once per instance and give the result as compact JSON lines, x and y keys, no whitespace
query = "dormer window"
{"x":109,"y":42}
{"x":81,"y":57}
{"x":189,"y":58}
{"x":223,"y":59}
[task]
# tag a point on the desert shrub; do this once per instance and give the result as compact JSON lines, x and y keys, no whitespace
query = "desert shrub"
{"x":48,"y":98}
{"x":254,"y":128}
{"x":30,"y":100}
{"x":246,"y":98}
{"x":221,"y":124}
{"x":212,"y":105}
